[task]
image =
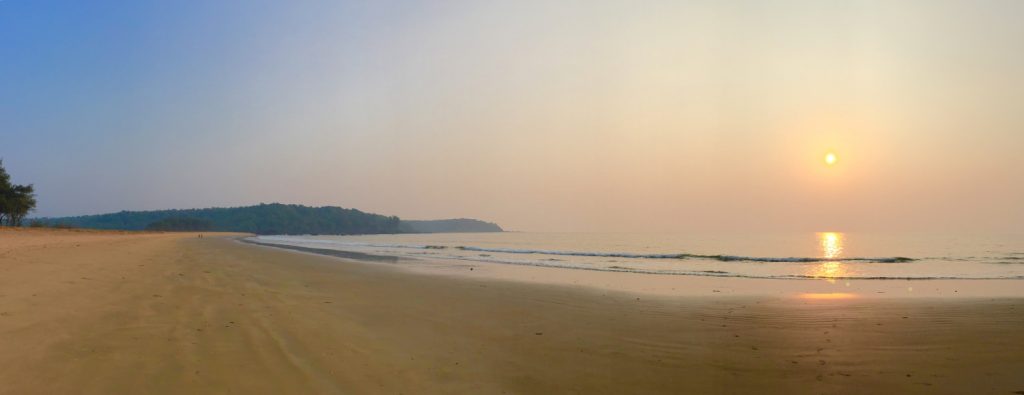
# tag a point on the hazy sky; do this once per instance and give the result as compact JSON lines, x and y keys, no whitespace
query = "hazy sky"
{"x":546,"y":115}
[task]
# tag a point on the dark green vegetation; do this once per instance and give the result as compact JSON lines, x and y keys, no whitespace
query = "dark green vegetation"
{"x":461,"y":225}
{"x":16,"y":201}
{"x":262,"y":219}
{"x":180,"y":224}
{"x":269,"y":219}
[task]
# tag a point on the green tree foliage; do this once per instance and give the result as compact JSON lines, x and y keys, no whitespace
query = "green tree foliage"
{"x":16,"y":201}
{"x":262,"y":219}
{"x":181,"y":224}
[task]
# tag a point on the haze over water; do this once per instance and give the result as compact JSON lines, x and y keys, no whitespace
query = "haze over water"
{"x":589,"y":116}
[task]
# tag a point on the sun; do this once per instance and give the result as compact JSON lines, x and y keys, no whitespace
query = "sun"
{"x":830,"y":158}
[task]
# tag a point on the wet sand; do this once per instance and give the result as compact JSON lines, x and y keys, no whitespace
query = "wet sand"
{"x":85,"y":312}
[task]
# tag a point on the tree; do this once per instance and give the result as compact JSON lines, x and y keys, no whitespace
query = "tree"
{"x":180,"y":224}
{"x":16,"y":201}
{"x":5,"y":190}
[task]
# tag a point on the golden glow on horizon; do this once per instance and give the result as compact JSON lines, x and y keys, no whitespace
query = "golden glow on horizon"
{"x":831,"y":248}
{"x":830,"y":158}
{"x":831,"y":245}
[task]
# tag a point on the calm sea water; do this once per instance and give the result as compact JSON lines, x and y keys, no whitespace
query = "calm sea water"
{"x":829,"y":255}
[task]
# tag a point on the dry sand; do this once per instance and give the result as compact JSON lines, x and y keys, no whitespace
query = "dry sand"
{"x":94,"y":312}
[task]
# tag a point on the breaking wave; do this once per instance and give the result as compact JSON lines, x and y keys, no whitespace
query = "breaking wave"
{"x":722,"y":273}
{"x":713,"y":257}
{"x":627,"y":262}
{"x":722,"y":258}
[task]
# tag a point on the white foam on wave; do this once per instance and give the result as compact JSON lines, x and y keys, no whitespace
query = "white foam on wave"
{"x":544,"y":259}
{"x":310,"y":240}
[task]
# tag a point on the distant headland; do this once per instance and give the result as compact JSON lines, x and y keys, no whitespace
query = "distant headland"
{"x":265,"y":219}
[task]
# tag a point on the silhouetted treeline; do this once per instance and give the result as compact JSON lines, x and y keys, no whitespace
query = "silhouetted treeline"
{"x":16,"y":201}
{"x":282,"y":219}
{"x":181,"y":224}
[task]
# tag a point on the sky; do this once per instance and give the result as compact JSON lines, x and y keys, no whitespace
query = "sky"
{"x":595,"y":116}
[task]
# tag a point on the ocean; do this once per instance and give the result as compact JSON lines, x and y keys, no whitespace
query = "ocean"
{"x":821,"y":255}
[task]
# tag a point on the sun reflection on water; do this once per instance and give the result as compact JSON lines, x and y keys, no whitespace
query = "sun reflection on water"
{"x":828,"y":296}
{"x":831,"y":244}
{"x":831,"y":248}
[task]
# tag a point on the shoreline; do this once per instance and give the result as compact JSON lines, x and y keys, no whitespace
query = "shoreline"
{"x":212,"y":315}
{"x":685,"y":284}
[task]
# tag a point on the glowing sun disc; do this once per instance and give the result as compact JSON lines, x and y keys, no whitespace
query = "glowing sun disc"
{"x":830,"y":158}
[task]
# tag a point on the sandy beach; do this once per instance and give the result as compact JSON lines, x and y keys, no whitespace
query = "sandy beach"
{"x":109,"y":312}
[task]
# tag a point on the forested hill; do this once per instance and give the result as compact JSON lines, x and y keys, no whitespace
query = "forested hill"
{"x":262,"y":219}
{"x":266,"y":219}
{"x":461,"y":225}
